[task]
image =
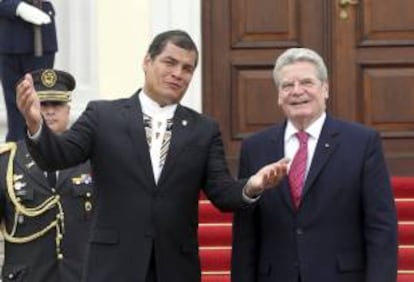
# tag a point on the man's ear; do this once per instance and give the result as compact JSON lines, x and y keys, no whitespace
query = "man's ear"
{"x":145,"y":62}
{"x":326,"y":90}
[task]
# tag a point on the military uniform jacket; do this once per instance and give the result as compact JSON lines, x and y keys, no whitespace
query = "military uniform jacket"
{"x":42,"y":260}
{"x":16,"y":35}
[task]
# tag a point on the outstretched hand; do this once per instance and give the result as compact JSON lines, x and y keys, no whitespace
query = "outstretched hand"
{"x":28,"y":103}
{"x":267,"y":177}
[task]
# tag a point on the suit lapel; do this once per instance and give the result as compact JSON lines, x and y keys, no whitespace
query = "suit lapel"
{"x":274,"y":150}
{"x":132,"y":113}
{"x":327,"y":144}
{"x":279,"y":144}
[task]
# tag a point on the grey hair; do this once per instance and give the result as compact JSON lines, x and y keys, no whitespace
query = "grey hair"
{"x":294,"y":55}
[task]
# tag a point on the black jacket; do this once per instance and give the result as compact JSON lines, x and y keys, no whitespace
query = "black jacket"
{"x":42,"y":259}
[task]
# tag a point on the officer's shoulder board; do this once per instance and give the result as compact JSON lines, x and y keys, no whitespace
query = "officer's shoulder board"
{"x":7,"y":147}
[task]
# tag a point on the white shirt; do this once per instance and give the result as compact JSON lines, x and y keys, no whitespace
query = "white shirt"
{"x":292,"y":143}
{"x":159,"y":116}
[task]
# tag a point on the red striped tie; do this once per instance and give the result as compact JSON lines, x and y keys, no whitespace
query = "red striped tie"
{"x":298,"y":168}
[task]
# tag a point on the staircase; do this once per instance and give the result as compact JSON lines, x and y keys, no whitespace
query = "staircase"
{"x":404,"y":198}
{"x":215,"y":233}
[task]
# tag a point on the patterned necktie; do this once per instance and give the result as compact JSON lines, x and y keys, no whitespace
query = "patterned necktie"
{"x":298,"y":168}
{"x":165,"y":142}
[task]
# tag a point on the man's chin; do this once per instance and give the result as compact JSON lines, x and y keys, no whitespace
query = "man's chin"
{"x":51,"y":126}
{"x":172,"y":98}
{"x":300,"y":113}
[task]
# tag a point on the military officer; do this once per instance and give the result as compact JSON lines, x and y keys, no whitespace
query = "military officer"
{"x":45,"y":215}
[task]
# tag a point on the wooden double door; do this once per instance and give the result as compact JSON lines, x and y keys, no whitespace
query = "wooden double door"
{"x":368,"y":46}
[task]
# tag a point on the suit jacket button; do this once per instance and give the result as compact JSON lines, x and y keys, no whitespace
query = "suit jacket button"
{"x":299,"y":231}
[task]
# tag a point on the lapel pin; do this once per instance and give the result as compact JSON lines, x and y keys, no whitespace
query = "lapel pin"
{"x":184,"y":122}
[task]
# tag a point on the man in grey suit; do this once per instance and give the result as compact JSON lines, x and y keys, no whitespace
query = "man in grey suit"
{"x":340,"y":223}
{"x":151,"y":157}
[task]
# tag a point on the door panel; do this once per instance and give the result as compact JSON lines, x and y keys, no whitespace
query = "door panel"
{"x":369,"y":52}
{"x":373,"y":73}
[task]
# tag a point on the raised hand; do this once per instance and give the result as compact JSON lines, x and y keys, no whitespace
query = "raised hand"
{"x":28,"y":103}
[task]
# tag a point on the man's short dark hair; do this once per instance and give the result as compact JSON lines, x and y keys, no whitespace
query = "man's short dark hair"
{"x":177,"y":37}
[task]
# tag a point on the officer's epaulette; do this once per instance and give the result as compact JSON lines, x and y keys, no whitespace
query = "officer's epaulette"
{"x":6,"y":147}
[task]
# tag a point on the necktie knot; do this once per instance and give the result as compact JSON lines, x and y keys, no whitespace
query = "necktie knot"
{"x":302,"y":137}
{"x":148,"y":122}
{"x":158,"y":133}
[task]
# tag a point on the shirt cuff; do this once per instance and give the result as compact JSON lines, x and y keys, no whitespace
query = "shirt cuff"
{"x":248,"y":199}
{"x":36,"y":136}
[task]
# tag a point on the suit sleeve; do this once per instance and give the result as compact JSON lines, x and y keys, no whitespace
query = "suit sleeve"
{"x":55,"y":152}
{"x":8,"y":8}
{"x":380,"y":219}
{"x":221,"y":188}
{"x":244,"y":246}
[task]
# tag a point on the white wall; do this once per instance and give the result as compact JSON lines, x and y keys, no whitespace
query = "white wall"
{"x":186,"y":15}
{"x":105,"y":48}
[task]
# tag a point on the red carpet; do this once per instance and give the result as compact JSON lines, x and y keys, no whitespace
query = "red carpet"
{"x":215,"y":235}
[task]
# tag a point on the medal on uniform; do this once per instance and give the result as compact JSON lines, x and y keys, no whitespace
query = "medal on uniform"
{"x":17,"y":177}
{"x":19,"y":185}
{"x":29,"y":165}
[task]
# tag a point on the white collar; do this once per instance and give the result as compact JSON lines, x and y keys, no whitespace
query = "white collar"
{"x":314,"y":130}
{"x":152,"y":108}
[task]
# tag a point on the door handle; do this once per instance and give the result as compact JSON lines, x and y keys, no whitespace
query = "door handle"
{"x":343,"y":5}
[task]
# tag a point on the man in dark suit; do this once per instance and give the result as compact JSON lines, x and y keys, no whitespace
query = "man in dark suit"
{"x":18,"y":19}
{"x":339,"y":224}
{"x":151,"y":157}
{"x":45,"y":223}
